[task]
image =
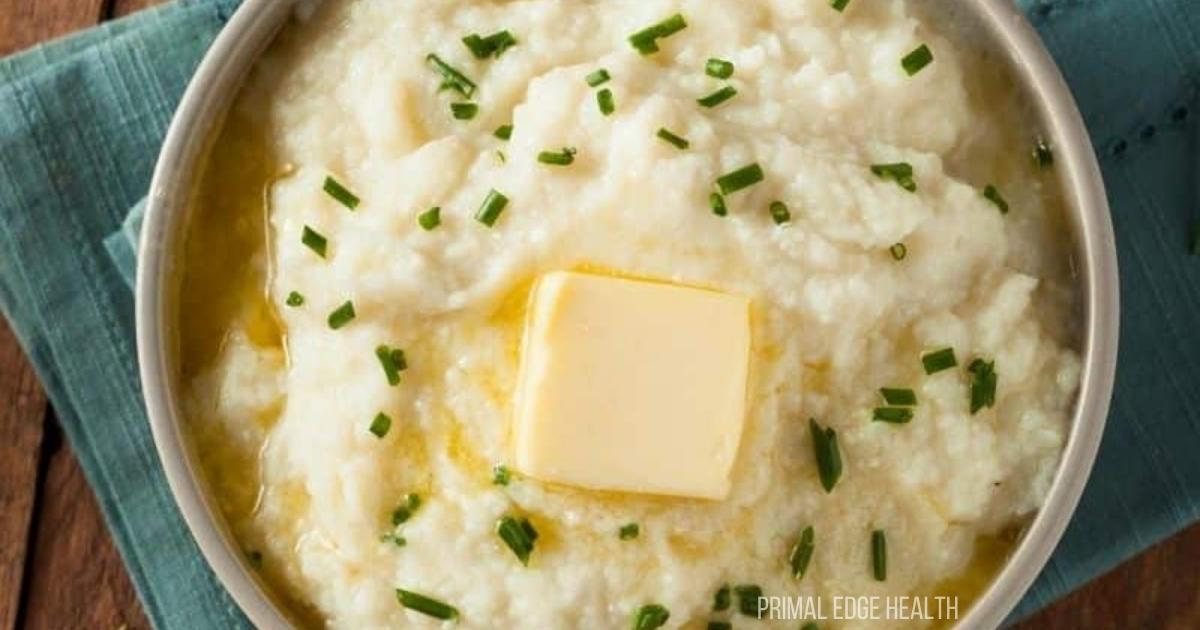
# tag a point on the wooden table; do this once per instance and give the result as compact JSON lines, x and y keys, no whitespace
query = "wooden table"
{"x":59,"y":569}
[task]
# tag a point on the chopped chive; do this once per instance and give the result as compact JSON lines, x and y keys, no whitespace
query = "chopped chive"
{"x":899,"y":172}
{"x":405,"y":511}
{"x":721,"y":599}
{"x":503,"y":132}
{"x":430,"y":219}
{"x":565,"y":157}
{"x":464,"y":111}
{"x":718,"y":625}
{"x":629,"y":531}
{"x":315,"y":241}
{"x":939,"y":360}
{"x":1196,"y":239}
{"x":898,"y":397}
{"x":780,"y":213}
{"x":491,"y":208}
{"x":717,"y":203}
{"x":916,"y":60}
{"x":394,"y":538}
{"x":879,"y":555}
{"x":426,"y":605}
{"x":650,"y":617}
{"x":452,"y":79}
{"x":255,"y":558}
{"x":899,"y":251}
{"x":802,"y":552}
{"x":381,"y":425}
{"x":335,"y":189}
{"x":519,"y":535}
{"x":604,"y":98}
{"x":829,"y":458}
{"x":342,"y":316}
{"x":812,"y":625}
{"x":501,"y":475}
{"x":839,"y":5}
{"x":492,"y":45}
{"x":992,"y":194}
{"x":645,"y":41}
{"x":295,"y":299}
{"x":677,"y":141}
{"x":750,"y":600}
{"x":983,"y":384}
{"x":1043,"y":154}
{"x":500,"y":156}
{"x":718,"y":97}
{"x":718,"y":68}
{"x":393,"y":362}
{"x":893,"y":415}
{"x":742,"y":178}
{"x":598,"y":78}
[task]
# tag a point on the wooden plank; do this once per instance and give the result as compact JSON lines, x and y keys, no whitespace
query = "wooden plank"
{"x":24,"y":23}
{"x":22,"y":407}
{"x":125,"y":7}
{"x":1159,"y":589}
{"x":78,"y":580}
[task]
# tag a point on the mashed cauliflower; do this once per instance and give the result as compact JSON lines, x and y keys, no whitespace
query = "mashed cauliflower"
{"x":347,"y":92}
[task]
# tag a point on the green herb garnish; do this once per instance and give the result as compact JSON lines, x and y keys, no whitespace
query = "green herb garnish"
{"x":992,"y":194}
{"x":839,"y":5}
{"x":558,"y":158}
{"x":452,"y":79}
{"x":1043,"y":154}
{"x":629,"y":531}
{"x":255,"y":558}
{"x":898,"y":397}
{"x":893,"y":415}
{"x":491,"y":208}
{"x":721,"y":599}
{"x":645,"y":41}
{"x":394,"y":538}
{"x":335,"y":189}
{"x":740,"y":179}
{"x":295,"y":299}
{"x":406,"y":510}
{"x":604,"y":99}
{"x":879,"y":554}
{"x":393,"y":362}
{"x":598,"y":78}
{"x":916,"y":60}
{"x":939,"y":360}
{"x":749,"y":600}
{"x":464,"y":111}
{"x":381,"y":425}
{"x":650,"y":617}
{"x":718,"y":625}
{"x":678,"y":142}
{"x":501,"y":475}
{"x":780,"y":213}
{"x":899,"y":172}
{"x":492,"y":45}
{"x":343,"y":315}
{"x":802,"y":553}
{"x":718,"y":68}
{"x":315,"y":241}
{"x":717,"y":203}
{"x":426,"y":605}
{"x":829,"y":457}
{"x":519,"y":535}
{"x":503,"y":132}
{"x":983,"y":384}
{"x":812,"y":625}
{"x":430,"y":219}
{"x":718,"y":97}
{"x":899,"y":251}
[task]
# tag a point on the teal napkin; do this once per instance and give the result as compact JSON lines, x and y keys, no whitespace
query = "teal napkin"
{"x":81,"y":121}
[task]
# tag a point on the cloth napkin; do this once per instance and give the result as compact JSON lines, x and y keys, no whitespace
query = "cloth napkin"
{"x":81,"y":121}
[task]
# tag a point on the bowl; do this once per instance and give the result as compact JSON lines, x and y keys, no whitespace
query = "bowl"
{"x":998,"y":24}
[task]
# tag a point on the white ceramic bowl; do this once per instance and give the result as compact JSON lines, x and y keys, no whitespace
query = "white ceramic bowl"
{"x":996,"y":24}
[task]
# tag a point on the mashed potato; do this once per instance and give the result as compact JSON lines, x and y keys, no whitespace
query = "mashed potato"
{"x":822,"y":96}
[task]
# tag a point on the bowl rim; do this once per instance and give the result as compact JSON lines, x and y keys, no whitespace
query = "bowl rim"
{"x":252,"y":28}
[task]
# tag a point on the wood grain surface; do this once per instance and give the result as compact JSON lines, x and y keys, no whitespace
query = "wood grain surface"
{"x":59,"y":569}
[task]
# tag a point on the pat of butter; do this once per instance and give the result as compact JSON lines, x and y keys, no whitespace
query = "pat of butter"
{"x":632,"y":386}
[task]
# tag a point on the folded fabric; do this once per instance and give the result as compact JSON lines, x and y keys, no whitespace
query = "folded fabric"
{"x":81,"y":121}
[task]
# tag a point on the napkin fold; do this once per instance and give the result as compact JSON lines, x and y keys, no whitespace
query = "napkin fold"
{"x":82,"y":119}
